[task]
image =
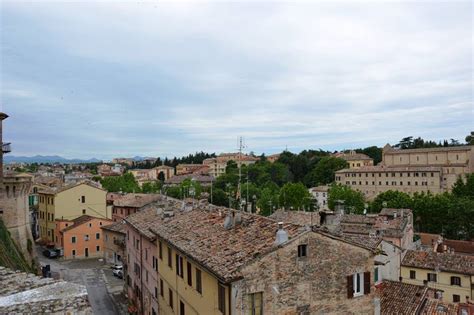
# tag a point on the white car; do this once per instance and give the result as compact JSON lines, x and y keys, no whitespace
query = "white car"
{"x":118,"y":273}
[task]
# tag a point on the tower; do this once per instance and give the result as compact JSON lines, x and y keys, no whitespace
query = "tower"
{"x":14,"y":192}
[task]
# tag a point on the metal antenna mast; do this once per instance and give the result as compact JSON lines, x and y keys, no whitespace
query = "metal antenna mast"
{"x":241,"y":146}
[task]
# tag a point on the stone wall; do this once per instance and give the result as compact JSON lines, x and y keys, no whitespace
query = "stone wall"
{"x":14,"y":204}
{"x":315,"y":284}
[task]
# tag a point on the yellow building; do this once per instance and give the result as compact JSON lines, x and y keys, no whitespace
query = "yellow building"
{"x":69,"y":202}
{"x":354,"y":159}
{"x":448,"y":273}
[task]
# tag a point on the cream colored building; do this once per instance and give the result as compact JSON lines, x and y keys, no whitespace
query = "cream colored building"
{"x":355,"y":160}
{"x":69,"y":202}
{"x":432,"y":170}
{"x":218,"y":164}
{"x":449,"y":273}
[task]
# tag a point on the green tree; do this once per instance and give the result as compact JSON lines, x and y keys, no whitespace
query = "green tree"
{"x":392,"y":199}
{"x":188,"y":185}
{"x":353,"y":200}
{"x":219,"y":197}
{"x":125,"y":183}
{"x":174,"y":192}
{"x":267,"y":201}
{"x":470,"y":138}
{"x":464,"y":186}
{"x":152,"y":187}
{"x":324,"y":171}
{"x":294,"y":196}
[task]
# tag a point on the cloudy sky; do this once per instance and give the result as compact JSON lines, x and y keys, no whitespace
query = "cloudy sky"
{"x":153,"y":78}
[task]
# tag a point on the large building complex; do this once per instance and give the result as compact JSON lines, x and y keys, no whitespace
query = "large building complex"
{"x":432,"y":170}
{"x":355,"y":160}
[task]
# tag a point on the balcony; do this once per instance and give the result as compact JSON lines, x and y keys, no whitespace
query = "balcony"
{"x":120,"y":243}
{"x":6,"y":148}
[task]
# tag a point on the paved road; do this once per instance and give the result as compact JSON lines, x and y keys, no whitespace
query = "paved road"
{"x":88,"y":272}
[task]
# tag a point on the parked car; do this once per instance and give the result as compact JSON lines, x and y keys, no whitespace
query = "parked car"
{"x":117,"y":267}
{"x":51,"y":253}
{"x":118,"y":273}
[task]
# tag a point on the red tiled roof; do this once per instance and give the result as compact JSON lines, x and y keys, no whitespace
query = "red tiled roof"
{"x":117,"y":227}
{"x":400,"y":298}
{"x":444,"y":261}
{"x":136,"y":200}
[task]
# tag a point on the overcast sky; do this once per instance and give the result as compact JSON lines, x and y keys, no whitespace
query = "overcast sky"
{"x":163,"y":79}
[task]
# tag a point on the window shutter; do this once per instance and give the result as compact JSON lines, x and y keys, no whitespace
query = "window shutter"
{"x":366,"y":282}
{"x":350,"y":287}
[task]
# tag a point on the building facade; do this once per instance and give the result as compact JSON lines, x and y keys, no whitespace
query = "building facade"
{"x":131,"y":203}
{"x":432,"y":170}
{"x":355,"y":160}
{"x":320,"y":195}
{"x":114,"y":242}
{"x":448,"y":273}
{"x":218,"y":164}
{"x":81,"y":237}
{"x":68,"y":203}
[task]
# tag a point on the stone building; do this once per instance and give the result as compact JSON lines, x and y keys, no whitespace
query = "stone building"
{"x":212,"y":260}
{"x":14,"y":200}
{"x":432,"y":170}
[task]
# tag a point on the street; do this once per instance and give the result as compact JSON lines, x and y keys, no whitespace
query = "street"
{"x":104,"y":290}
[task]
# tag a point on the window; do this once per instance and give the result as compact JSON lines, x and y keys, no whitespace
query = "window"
{"x":86,"y":237}
{"x":189,"y":273}
{"x":146,"y":253}
{"x":146,"y":275}
{"x":97,"y":236}
{"x":358,"y":284}
{"x":179,"y":265}
{"x":456,"y":298}
{"x":198,"y":281}
{"x":97,"y":248}
{"x":83,"y":199}
{"x":254,"y":303}
{"x":83,"y":211}
{"x":90,"y":224}
{"x":302,"y":250}
{"x":73,"y":252}
{"x":156,"y":292}
{"x":432,"y":277}
{"x":162,"y":288}
{"x":160,"y":251}
{"x":376,"y":275}
{"x":170,"y":260}
{"x":456,"y":281}
{"x":181,"y":308}
{"x":73,"y":239}
{"x":170,"y":293}
{"x":221,"y":298}
{"x":412,"y":274}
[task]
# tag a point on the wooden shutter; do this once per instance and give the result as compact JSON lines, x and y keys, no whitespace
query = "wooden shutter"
{"x":350,"y":287}
{"x":367,"y":282}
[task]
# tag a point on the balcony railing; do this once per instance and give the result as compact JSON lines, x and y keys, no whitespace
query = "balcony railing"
{"x":6,"y":148}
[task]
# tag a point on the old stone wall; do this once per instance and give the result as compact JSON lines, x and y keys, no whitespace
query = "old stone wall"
{"x":316,"y":284}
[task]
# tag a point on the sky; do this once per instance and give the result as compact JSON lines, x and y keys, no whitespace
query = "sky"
{"x":154,"y":78}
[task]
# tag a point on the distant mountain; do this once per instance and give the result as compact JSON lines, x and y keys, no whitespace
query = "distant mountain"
{"x":45,"y":159}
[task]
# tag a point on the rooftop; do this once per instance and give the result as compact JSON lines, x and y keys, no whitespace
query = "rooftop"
{"x":450,"y":262}
{"x":57,"y":190}
{"x":400,"y":298}
{"x":383,"y":168}
{"x":136,"y":200}
{"x":390,"y":150}
{"x":178,"y":179}
{"x":118,"y":227}
{"x":23,"y":293}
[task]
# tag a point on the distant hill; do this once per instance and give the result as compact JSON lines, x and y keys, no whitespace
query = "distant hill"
{"x":45,"y":159}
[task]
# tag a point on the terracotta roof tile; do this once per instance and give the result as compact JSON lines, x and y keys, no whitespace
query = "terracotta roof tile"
{"x":136,"y":200}
{"x":437,"y":307}
{"x":398,"y":298}
{"x":118,"y":227}
{"x":444,"y":261}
